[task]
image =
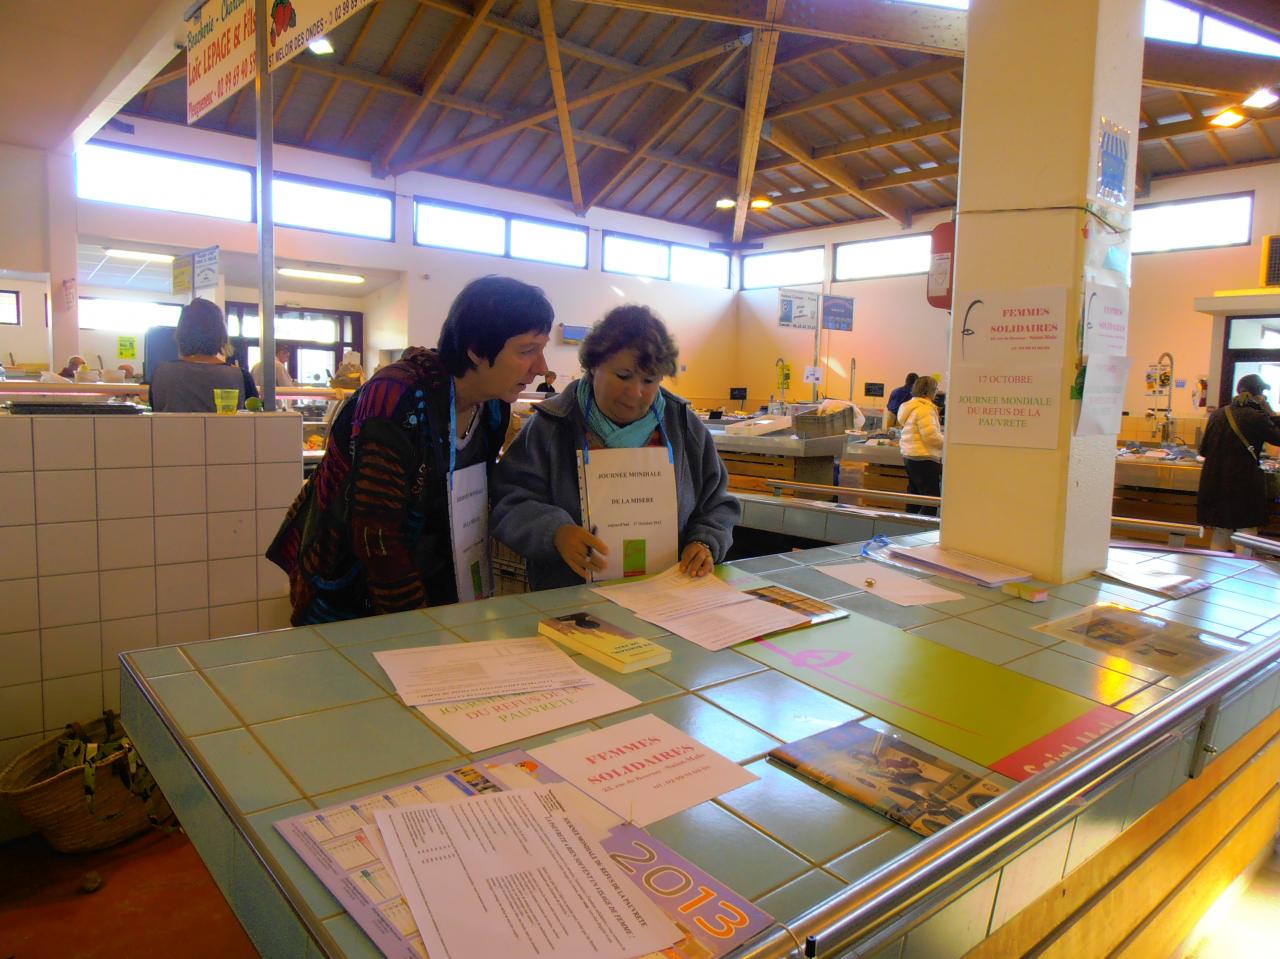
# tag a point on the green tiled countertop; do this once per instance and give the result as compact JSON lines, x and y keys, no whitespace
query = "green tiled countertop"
{"x":245,"y":731}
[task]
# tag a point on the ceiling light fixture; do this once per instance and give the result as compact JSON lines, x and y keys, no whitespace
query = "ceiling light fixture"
{"x":726,"y":203}
{"x":1230,"y":117}
{"x":320,"y":45}
{"x":320,"y":275}
{"x":761,"y":203}
{"x":140,"y":255}
{"x":1260,"y":99}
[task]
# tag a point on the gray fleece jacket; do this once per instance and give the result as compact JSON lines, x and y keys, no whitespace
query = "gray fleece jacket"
{"x":535,"y":489}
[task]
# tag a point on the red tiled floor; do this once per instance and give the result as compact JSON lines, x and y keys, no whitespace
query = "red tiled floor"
{"x":156,"y":899}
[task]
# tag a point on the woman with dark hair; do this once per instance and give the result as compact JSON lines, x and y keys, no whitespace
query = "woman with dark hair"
{"x":186,"y":385}
{"x":396,"y":515}
{"x":1233,"y":489}
{"x":613,"y":426}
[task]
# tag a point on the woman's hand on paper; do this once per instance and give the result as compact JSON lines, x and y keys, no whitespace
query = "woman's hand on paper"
{"x":696,"y":560}
{"x":580,"y":550}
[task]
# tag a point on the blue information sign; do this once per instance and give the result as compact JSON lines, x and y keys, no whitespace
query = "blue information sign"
{"x":837,"y":313}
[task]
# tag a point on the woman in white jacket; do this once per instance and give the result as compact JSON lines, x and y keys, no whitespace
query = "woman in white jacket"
{"x":921,"y":443}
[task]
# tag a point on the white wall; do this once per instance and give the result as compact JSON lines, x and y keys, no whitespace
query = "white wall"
{"x":703,"y":321}
{"x":24,"y":240}
{"x":29,"y":341}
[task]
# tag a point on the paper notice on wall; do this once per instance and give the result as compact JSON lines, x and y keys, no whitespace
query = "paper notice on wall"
{"x":1106,"y":320}
{"x":1103,"y":401}
{"x":798,"y":309}
{"x":813,"y":374}
{"x":1006,"y":327}
{"x":1005,"y":405}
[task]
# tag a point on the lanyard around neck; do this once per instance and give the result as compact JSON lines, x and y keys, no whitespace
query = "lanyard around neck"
{"x":453,"y":429}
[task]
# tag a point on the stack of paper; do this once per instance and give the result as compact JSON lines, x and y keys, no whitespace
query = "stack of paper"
{"x":958,"y":565}
{"x":596,"y":638}
{"x":1166,"y":584}
{"x":703,"y":610}
{"x":502,"y":667}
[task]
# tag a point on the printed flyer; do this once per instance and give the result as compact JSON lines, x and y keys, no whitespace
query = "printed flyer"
{"x":342,"y":846}
{"x":1174,"y":649}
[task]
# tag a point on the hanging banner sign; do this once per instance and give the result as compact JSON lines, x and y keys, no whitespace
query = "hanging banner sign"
{"x":205,"y":267}
{"x":1106,"y":320}
{"x":1103,"y":402}
{"x":837,"y":313}
{"x":127,"y":347}
{"x":180,"y":281}
{"x":221,"y":54}
{"x":798,"y":309}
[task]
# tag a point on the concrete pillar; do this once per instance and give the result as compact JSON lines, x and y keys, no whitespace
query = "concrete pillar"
{"x":1047,"y":87}
{"x":61,"y":257}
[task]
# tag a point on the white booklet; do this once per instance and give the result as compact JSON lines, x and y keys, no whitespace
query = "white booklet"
{"x":515,"y":874}
{"x":629,"y":502}
{"x":703,"y":609}
{"x":888,"y":583}
{"x":458,"y":671}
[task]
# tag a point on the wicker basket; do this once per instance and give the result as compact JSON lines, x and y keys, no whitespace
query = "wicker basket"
{"x":54,"y":802}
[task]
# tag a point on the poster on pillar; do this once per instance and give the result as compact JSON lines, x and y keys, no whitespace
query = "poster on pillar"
{"x":1003,"y":327}
{"x":1004,"y":405}
{"x":221,"y":43}
{"x":1103,"y":400}
{"x":1106,"y":320}
{"x":204,"y":269}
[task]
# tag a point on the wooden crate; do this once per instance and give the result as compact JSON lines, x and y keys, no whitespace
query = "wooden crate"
{"x":750,"y":472}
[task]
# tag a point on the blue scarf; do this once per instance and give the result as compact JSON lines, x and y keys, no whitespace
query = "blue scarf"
{"x":633,"y":435}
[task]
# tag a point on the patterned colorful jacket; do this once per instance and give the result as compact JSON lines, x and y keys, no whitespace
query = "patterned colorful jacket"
{"x":369,"y":533}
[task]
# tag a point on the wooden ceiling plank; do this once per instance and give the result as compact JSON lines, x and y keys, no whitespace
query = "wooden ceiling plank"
{"x":764,"y":48}
{"x":551,"y":45}
{"x":468,"y":74}
{"x":336,"y":83}
{"x":402,"y":41}
{"x":294,"y":76}
{"x":1265,"y":137}
{"x":920,"y":131}
{"x":873,"y":84}
{"x":443,"y":61}
{"x":913,"y":176}
{"x":1176,"y":154}
{"x":832,"y":172}
{"x":675,"y":110}
{"x":531,"y":119}
{"x":699,"y":185}
{"x":176,"y":70}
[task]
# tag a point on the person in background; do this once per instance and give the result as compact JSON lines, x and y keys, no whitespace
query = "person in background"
{"x":619,"y":403}
{"x":1233,"y":488}
{"x":548,"y":384}
{"x":921,"y":443}
{"x":896,"y":399}
{"x":73,"y":364}
{"x":187,"y":384}
{"x":282,"y":369}
{"x":350,"y":373}
{"x":250,"y":387}
{"x":370,"y":531}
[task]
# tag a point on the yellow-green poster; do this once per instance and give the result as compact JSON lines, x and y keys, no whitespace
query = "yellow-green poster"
{"x":127,"y":347}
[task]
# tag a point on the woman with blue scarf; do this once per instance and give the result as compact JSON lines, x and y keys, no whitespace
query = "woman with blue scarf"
{"x":618,"y":404}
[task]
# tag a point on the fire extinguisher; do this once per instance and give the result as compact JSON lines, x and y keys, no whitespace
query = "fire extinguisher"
{"x":942,"y":267}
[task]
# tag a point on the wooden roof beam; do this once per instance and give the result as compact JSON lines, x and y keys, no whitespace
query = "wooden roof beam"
{"x":675,"y":110}
{"x":764,"y":49}
{"x":426,"y":157}
{"x":910,"y":27}
{"x":922,"y":71}
{"x":550,"y":42}
{"x":833,"y":172}
{"x":892,"y":138}
{"x":1178,"y":66}
{"x":437,"y":70}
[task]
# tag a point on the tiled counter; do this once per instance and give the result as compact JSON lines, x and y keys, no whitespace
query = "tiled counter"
{"x":122,"y":532}
{"x":245,"y":731}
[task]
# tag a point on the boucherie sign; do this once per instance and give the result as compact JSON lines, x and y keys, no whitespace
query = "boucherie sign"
{"x":221,"y":36}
